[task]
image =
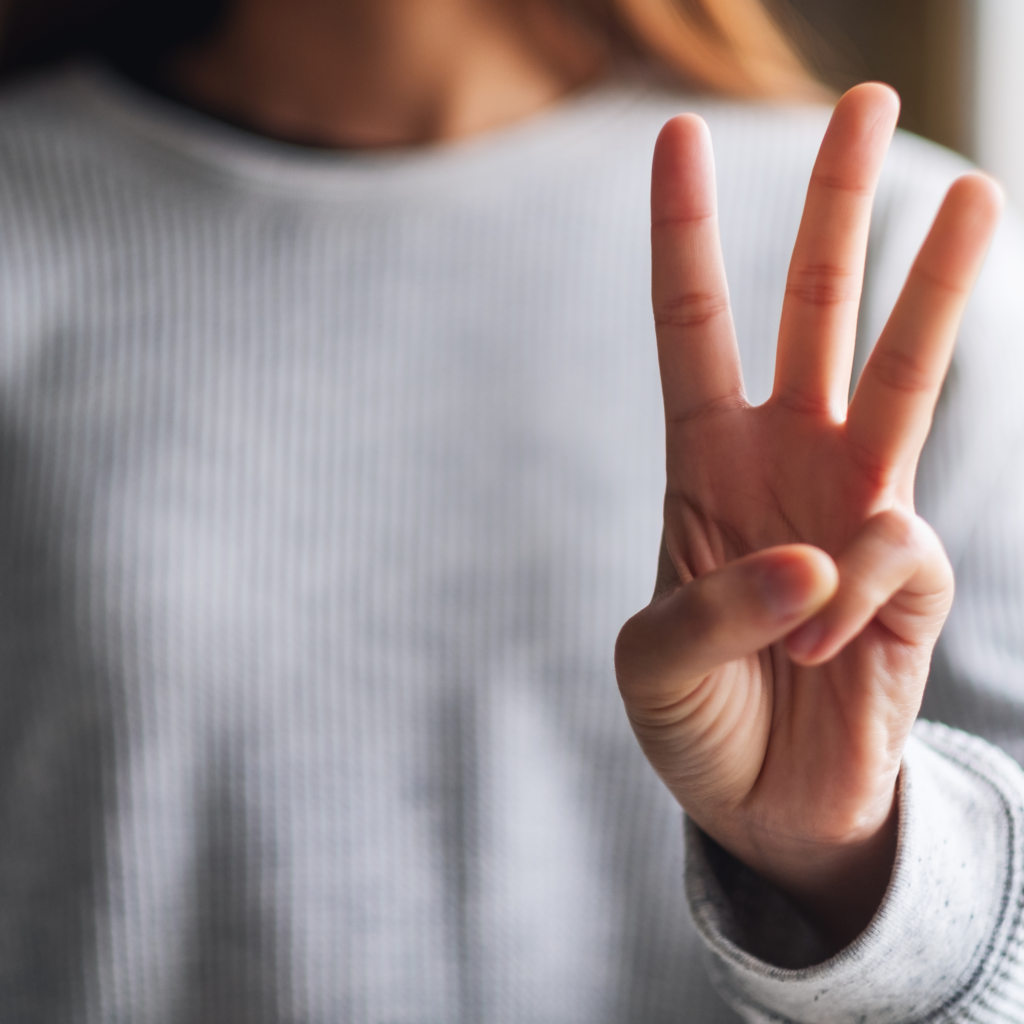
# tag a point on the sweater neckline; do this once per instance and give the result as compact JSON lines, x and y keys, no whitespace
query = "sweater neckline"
{"x":212,"y":146}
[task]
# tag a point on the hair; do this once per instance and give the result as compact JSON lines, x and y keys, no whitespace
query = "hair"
{"x":733,"y":48}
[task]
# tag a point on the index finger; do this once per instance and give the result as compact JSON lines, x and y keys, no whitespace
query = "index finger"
{"x":697,"y":350}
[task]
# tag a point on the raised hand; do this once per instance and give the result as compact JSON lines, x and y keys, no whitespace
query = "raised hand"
{"x":774,"y":678}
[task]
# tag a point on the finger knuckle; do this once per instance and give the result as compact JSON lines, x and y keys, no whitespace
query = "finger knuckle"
{"x":822,"y":284}
{"x":841,"y":183}
{"x":899,"y":529}
{"x":937,"y":282}
{"x":801,"y":401}
{"x":691,"y":310}
{"x":902,"y":371}
{"x":693,"y":219}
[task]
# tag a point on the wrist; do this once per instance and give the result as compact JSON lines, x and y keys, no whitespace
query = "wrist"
{"x":840,"y":889}
{"x":837,"y":884}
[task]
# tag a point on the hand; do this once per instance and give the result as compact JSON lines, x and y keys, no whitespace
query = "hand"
{"x":775,"y":676}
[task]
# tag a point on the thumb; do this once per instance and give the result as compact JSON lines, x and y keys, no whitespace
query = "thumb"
{"x":664,"y":651}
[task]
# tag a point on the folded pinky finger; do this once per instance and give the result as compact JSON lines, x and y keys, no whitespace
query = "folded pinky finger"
{"x":895,"y":563}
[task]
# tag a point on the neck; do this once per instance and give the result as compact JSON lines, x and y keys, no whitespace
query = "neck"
{"x":377,"y":73}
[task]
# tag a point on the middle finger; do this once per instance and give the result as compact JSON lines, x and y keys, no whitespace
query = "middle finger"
{"x":819,"y":316}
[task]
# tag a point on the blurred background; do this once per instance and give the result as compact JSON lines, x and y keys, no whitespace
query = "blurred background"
{"x":958,"y":64}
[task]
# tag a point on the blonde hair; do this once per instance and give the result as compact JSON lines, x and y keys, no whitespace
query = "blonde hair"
{"x":729,"y":47}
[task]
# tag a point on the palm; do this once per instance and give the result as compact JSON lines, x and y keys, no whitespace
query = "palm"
{"x":752,"y":479}
{"x":774,"y":678}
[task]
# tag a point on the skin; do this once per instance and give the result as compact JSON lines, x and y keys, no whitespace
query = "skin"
{"x":384,"y":73}
{"x":774,"y":678}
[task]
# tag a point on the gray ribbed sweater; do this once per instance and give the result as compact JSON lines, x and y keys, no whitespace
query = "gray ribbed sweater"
{"x":326,"y":482}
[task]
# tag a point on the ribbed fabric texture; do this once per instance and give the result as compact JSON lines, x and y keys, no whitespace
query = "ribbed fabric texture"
{"x":326,"y":482}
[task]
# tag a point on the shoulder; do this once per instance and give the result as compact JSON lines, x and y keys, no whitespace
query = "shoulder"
{"x":72,"y":181}
{"x":64,"y":160}
{"x":51,"y":125}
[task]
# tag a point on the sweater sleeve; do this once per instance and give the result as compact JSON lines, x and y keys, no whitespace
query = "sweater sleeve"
{"x":946,"y":942}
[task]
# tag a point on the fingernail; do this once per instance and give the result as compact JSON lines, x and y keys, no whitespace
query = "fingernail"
{"x":803,"y":642}
{"x":784,"y":586}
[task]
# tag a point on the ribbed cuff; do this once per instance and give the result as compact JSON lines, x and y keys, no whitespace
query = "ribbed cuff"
{"x":946,"y":940}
